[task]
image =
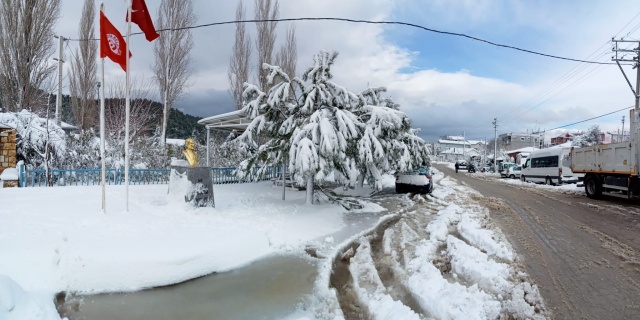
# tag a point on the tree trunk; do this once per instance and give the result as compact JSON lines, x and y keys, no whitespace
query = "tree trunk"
{"x":361,"y":181}
{"x":284,"y":181}
{"x":309,"y":190}
{"x":163,"y":138}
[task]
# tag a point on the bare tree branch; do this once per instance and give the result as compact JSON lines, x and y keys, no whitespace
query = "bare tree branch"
{"x":287,"y":57}
{"x":142,"y":117}
{"x":238,"y":72}
{"x":84,"y":71}
{"x":26,"y":44}
{"x":266,"y":36}
{"x":172,"y":61}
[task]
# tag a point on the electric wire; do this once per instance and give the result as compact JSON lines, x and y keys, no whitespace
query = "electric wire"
{"x":596,"y":117}
{"x":567,"y":75}
{"x":375,"y":22}
{"x":573,"y":72}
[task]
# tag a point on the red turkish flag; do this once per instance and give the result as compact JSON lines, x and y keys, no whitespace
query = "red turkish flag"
{"x":140,"y":16}
{"x":112,"y":43}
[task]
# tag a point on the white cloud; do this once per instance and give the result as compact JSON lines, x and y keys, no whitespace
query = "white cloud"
{"x":440,"y":102}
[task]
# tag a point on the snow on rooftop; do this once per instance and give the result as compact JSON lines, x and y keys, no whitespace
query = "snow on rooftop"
{"x":222,"y":116}
{"x":525,"y":149}
{"x":176,"y":142}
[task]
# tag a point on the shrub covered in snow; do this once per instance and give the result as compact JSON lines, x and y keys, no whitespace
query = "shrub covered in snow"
{"x":39,"y":139}
{"x":81,"y":149}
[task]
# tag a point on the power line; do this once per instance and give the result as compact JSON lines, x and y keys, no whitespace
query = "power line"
{"x":600,"y":116}
{"x":573,"y":72}
{"x":375,"y":22}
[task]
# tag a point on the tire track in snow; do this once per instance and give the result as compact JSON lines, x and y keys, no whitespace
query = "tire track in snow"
{"x":377,"y":273}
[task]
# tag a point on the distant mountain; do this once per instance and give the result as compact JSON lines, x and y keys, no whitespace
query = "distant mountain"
{"x":182,"y":126}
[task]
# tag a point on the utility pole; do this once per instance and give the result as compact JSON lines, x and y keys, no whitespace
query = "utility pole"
{"x":620,"y":56}
{"x":464,"y":145}
{"x":622,"y":137}
{"x":484,"y":160}
{"x":60,"y":62}
{"x":495,"y":146}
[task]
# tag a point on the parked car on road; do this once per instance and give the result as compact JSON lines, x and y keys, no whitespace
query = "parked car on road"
{"x":502,"y":168}
{"x":513,"y":172}
{"x":419,"y":181}
{"x":462,"y":164}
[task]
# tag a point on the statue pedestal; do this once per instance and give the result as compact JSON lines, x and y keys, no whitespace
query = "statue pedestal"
{"x":194,"y":183}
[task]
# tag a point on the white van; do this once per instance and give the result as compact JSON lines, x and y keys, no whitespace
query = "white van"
{"x":550,"y":166}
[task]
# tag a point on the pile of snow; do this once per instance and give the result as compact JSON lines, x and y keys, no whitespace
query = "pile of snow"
{"x":16,"y":304}
{"x":569,"y":188}
{"x":9,"y":174}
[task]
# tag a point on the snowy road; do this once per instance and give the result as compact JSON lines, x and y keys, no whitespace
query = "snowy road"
{"x":584,"y":254}
{"x":440,"y":258}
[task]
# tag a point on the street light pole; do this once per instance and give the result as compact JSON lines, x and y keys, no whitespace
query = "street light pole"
{"x":495,"y":146}
{"x":60,"y":62}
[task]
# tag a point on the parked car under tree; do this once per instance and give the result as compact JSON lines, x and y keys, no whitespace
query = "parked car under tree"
{"x":419,"y":181}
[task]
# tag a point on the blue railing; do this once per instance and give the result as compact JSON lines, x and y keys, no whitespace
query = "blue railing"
{"x":88,"y":177}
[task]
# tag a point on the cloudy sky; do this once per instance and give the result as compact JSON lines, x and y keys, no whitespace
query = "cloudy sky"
{"x":448,"y":85}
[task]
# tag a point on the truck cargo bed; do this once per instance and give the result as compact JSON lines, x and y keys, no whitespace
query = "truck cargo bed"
{"x":609,"y":158}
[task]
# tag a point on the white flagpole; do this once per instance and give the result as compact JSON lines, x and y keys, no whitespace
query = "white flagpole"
{"x":103,"y":171}
{"x":128,"y":108}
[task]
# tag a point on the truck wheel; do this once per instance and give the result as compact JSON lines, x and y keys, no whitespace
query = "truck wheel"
{"x":592,"y":187}
{"x":513,"y":176}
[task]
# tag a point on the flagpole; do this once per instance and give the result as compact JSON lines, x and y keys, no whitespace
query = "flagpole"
{"x":102,"y":144}
{"x":128,"y":108}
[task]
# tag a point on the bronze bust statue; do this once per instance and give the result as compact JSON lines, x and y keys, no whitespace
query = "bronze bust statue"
{"x":190,"y":152}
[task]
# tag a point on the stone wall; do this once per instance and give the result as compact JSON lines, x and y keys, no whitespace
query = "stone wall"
{"x":8,"y":157}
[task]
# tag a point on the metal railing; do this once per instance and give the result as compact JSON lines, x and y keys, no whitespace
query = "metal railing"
{"x":88,"y":177}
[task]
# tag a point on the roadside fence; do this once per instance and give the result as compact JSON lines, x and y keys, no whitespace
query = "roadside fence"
{"x":89,"y":177}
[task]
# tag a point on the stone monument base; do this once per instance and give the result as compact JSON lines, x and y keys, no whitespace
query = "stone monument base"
{"x":194,"y":183}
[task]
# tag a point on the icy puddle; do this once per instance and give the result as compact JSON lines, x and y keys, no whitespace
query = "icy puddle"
{"x":267,"y":289}
{"x":270,"y":288}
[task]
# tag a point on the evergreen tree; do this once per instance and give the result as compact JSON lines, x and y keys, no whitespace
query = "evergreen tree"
{"x":323,"y":128}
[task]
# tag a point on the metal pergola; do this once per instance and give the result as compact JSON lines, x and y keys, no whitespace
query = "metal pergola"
{"x":230,"y":121}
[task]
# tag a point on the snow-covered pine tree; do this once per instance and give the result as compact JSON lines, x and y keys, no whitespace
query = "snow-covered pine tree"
{"x":268,"y":112}
{"x":388,"y":142}
{"x":322,"y":128}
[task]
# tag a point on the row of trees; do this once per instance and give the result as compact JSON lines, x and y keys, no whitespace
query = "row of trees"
{"x":241,"y":53}
{"x":27,"y":45}
{"x":27,"y":76}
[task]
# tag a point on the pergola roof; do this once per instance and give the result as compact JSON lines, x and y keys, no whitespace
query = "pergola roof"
{"x":234,"y":120}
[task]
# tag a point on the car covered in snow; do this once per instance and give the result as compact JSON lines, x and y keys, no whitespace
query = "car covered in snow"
{"x":419,"y":181}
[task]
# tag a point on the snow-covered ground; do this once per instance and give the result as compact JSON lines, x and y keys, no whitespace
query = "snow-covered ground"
{"x":443,"y":250}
